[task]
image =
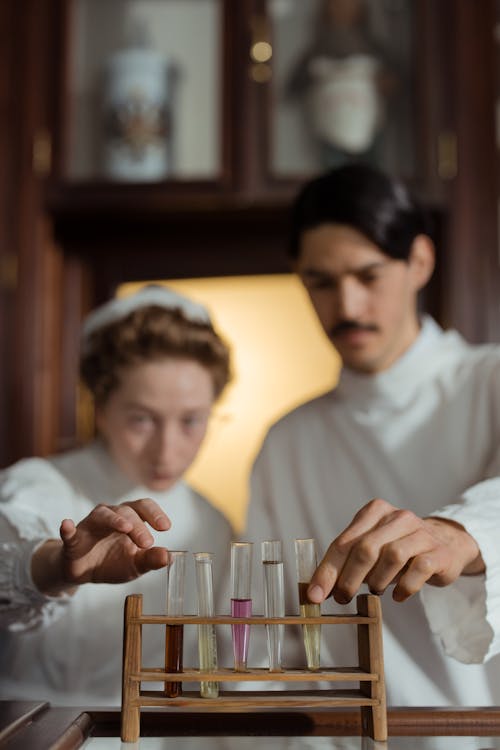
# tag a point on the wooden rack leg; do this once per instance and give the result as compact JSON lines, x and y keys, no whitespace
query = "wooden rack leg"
{"x":371,"y":659}
{"x":132,"y":647}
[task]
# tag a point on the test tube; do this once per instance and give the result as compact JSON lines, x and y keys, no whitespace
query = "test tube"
{"x":306,"y":559}
{"x":241,"y":600}
{"x":274,"y":600}
{"x":207,"y":643}
{"x":175,"y":606}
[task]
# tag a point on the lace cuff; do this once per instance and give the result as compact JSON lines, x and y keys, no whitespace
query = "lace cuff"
{"x":22,"y":606}
{"x":466,"y":615}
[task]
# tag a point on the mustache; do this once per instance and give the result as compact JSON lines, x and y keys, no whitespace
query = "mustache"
{"x":350,"y":325}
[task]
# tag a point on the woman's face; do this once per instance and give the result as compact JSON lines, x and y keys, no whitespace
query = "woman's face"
{"x":156,"y":419}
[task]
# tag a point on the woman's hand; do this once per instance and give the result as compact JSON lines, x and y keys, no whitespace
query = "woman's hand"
{"x":111,"y":545}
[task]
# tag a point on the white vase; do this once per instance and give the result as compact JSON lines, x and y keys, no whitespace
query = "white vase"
{"x":136,"y":116}
{"x":345,"y":106}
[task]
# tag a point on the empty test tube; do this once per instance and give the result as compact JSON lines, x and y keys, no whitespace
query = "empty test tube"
{"x":306,"y":559}
{"x":207,"y":643}
{"x":274,"y":600}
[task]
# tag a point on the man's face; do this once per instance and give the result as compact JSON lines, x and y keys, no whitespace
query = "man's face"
{"x":155,"y":420}
{"x":364,"y":299}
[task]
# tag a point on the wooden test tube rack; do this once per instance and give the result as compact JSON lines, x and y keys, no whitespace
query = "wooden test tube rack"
{"x":370,"y":696}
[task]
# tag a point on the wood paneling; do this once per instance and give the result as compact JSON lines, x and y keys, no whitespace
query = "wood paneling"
{"x":30,"y":310}
{"x":471,"y":261}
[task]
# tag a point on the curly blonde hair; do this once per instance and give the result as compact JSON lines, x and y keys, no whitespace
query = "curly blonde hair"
{"x":146,"y":334}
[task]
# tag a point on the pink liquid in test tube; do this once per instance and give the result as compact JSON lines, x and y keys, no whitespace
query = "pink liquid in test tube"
{"x":241,"y":632}
{"x":241,"y":602}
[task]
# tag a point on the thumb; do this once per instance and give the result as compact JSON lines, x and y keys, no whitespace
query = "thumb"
{"x":153,"y":558}
{"x":67,"y":530}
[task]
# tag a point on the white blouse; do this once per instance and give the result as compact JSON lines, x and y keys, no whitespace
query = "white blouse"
{"x":68,"y":650}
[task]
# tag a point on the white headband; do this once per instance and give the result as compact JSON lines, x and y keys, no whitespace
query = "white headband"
{"x":120,"y":307}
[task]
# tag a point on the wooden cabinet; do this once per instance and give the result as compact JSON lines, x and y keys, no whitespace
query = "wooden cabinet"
{"x":239,"y":146}
{"x":236,"y":157}
{"x":251,"y":95}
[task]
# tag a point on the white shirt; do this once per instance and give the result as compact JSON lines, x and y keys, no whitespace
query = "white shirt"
{"x":423,"y":435}
{"x":68,"y":650}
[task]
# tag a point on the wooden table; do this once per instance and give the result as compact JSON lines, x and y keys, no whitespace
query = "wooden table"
{"x":38,"y":726}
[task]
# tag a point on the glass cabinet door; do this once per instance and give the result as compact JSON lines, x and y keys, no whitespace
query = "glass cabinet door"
{"x":148,"y":84}
{"x":145,"y":90}
{"x":342,"y":84}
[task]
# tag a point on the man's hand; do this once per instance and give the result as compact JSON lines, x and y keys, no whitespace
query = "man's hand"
{"x":110,"y":545}
{"x":384,"y":544}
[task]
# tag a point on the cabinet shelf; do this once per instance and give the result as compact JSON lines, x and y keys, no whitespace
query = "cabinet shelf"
{"x":101,"y":198}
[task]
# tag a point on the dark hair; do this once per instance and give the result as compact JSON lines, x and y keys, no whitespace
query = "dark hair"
{"x":147,"y":334}
{"x":364,"y":198}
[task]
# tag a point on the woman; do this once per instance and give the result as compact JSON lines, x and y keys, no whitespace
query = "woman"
{"x":77,"y":529}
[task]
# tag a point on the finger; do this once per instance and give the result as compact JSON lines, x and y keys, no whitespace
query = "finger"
{"x":326,"y":574}
{"x":434,"y":567}
{"x":368,"y":517}
{"x":369,"y":553}
{"x":419,"y":571}
{"x":148,"y":510}
{"x":138,"y":530}
{"x":104,"y":519}
{"x":140,"y":512}
{"x":395,"y":558}
{"x":154,"y":558}
{"x":67,"y":530}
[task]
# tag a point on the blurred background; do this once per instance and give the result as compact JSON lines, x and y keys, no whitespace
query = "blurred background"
{"x":164,"y":140}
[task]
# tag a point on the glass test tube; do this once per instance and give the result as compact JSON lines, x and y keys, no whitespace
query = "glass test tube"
{"x":274,"y":600}
{"x":241,"y":600}
{"x":306,"y":559}
{"x":207,"y":643}
{"x":175,"y":606}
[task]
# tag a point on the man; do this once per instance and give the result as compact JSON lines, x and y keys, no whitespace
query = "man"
{"x":414,"y":423}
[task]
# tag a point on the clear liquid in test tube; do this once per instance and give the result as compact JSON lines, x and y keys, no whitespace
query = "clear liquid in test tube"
{"x":306,"y":559}
{"x":241,"y":600}
{"x":207,"y":643}
{"x":274,"y":600}
{"x":174,"y":635}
